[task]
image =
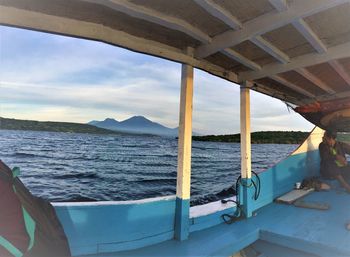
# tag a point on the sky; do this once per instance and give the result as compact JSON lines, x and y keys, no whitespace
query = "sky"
{"x":56,"y":78}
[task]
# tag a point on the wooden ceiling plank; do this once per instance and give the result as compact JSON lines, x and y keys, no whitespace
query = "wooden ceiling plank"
{"x":279,"y":5}
{"x":315,"y":80}
{"x":153,"y":16}
{"x":310,"y":35}
{"x":220,"y":13}
{"x":265,"y":23}
{"x":327,"y":97}
{"x":264,"y":89}
{"x":270,"y":49}
{"x":241,"y":59}
{"x":291,"y":85}
{"x":340,"y":70}
{"x":335,"y":52}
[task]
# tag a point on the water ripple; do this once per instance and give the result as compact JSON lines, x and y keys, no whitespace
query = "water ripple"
{"x":81,"y":167}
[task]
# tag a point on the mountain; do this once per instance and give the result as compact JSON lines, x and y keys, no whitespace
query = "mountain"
{"x":107,"y":123}
{"x":14,"y":124}
{"x":137,"y":125}
{"x":93,"y":122}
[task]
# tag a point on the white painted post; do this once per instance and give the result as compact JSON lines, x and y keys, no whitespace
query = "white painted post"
{"x":246,"y":164}
{"x":184,"y":155}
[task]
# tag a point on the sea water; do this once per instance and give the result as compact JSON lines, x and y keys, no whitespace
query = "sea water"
{"x":86,"y":167}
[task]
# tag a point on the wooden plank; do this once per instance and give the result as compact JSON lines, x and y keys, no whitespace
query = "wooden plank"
{"x":153,"y":16}
{"x":279,"y":5}
{"x":265,"y":89}
{"x":185,"y":133}
{"x":220,"y":13}
{"x":183,"y":186}
{"x":310,"y":35}
{"x":270,"y":49}
{"x":293,"y":195}
{"x":246,"y":163}
{"x":260,"y":25}
{"x":336,"y":52}
{"x":340,"y":70}
{"x":315,"y":80}
{"x":327,"y":97}
{"x":241,"y":59}
{"x":289,"y":84}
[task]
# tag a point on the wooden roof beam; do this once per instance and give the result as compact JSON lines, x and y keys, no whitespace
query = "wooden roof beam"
{"x":153,"y":16}
{"x":220,"y":13}
{"x":264,"y":89}
{"x":310,"y":35}
{"x":254,"y":66}
{"x":279,"y":5}
{"x":270,"y":49}
{"x":330,"y":97}
{"x":335,"y":52}
{"x":340,"y":70}
{"x":241,"y":59}
{"x":292,"y":86}
{"x":318,"y":45}
{"x":315,"y":80}
{"x":262,"y":24}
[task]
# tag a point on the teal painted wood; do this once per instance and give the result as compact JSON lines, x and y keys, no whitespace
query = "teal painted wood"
{"x":115,"y":227}
{"x":296,"y":230}
{"x":221,"y":240}
{"x":246,"y":196}
{"x":282,"y":177}
{"x":275,"y":182}
{"x":272,"y":250}
{"x":116,"y":247}
{"x":317,"y":232}
{"x":207,"y":221}
{"x":298,"y":244}
{"x":182,"y":219}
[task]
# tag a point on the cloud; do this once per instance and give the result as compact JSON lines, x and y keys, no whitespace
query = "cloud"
{"x":45,"y":76}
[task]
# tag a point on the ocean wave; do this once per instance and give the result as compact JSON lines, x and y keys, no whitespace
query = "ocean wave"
{"x":76,"y":175}
{"x":19,"y":154}
{"x":158,"y":180}
{"x":29,"y":155}
{"x":78,"y":198}
{"x":155,"y":165}
{"x":73,"y":167}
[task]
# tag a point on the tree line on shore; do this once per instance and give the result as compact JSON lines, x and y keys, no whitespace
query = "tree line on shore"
{"x":262,"y":137}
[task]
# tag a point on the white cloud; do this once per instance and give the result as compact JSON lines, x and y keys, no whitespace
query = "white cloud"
{"x":58,"y":78}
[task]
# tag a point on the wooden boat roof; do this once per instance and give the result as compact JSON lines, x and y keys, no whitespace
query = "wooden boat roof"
{"x":294,"y":50}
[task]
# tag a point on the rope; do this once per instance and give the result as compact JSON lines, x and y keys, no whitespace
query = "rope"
{"x":229,"y":219}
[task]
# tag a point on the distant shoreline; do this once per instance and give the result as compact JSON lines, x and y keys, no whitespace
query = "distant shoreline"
{"x":52,"y":126}
{"x":263,"y":137}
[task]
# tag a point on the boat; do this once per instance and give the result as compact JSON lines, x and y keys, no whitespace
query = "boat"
{"x":294,"y":50}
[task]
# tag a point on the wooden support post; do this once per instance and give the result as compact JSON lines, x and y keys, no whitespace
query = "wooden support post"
{"x":246,"y":168}
{"x":184,"y":155}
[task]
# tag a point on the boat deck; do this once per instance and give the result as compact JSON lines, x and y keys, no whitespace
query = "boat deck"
{"x":312,"y":232}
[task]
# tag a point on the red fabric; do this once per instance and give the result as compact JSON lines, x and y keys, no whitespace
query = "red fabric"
{"x":12,"y":226}
{"x":313,"y":107}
